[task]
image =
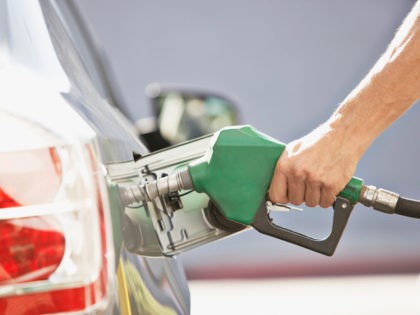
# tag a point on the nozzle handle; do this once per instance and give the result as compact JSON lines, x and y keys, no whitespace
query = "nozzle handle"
{"x":342,"y":210}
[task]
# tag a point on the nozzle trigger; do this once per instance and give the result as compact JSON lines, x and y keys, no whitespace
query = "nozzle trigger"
{"x":280,"y":207}
{"x":342,"y":210}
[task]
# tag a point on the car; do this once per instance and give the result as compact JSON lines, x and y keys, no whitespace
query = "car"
{"x":69,"y":242}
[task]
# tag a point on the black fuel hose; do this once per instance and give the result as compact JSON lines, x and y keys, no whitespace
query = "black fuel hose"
{"x":408,"y":207}
{"x":389,"y":202}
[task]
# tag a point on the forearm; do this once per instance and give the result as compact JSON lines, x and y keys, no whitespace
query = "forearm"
{"x":316,"y":167}
{"x":388,"y":90}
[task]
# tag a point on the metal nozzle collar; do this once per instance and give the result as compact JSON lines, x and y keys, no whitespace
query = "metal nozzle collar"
{"x":165,"y":185}
{"x":160,"y":187}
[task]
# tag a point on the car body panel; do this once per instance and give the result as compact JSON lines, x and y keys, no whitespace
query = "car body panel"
{"x":57,"y":94}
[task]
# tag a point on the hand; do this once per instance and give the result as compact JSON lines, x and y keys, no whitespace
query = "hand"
{"x":314,"y":169}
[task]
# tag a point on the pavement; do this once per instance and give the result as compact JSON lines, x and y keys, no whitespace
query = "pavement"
{"x":373,"y":295}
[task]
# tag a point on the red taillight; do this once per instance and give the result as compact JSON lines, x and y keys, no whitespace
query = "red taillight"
{"x":31,"y":249}
{"x":6,"y":201}
{"x":52,"y":241}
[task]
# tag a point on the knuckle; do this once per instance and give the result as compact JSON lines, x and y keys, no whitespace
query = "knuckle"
{"x":314,"y":179}
{"x":283,"y":161}
{"x":282,"y":169}
{"x":298,"y":172}
{"x":331,"y":187}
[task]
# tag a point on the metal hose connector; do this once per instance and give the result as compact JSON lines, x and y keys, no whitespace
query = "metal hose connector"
{"x":379,"y":199}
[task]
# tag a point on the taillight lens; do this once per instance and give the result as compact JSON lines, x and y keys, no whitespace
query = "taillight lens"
{"x":6,"y":201}
{"x":52,"y":232}
{"x":32,"y":247}
{"x":29,"y":177}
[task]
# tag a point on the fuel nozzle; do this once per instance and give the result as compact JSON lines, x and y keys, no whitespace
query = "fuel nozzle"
{"x":235,"y":173}
{"x":148,"y":191}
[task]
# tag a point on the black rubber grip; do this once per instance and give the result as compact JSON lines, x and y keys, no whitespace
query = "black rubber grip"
{"x":408,"y":207}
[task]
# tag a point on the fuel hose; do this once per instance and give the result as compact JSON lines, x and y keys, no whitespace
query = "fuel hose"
{"x":389,"y":202}
{"x":408,"y":207}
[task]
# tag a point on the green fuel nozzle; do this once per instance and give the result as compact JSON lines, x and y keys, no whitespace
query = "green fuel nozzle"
{"x":236,"y":172}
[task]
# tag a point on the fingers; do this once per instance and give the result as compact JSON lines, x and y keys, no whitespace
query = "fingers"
{"x":312,"y":195}
{"x":286,"y":188}
{"x":293,"y":187}
{"x":278,"y":188}
{"x":328,"y":196}
{"x":296,"y":190}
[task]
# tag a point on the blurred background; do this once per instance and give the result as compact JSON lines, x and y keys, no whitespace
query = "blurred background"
{"x":287,"y":65}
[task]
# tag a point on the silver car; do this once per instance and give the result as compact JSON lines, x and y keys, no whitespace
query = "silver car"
{"x":69,"y":243}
